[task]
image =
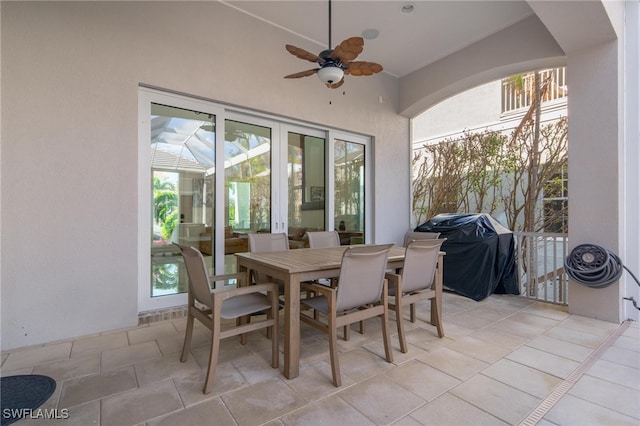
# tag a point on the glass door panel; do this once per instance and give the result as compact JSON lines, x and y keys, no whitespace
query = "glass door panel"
{"x":247,"y":171}
{"x":182,"y":169}
{"x":349,"y":191}
{"x":305,"y":187}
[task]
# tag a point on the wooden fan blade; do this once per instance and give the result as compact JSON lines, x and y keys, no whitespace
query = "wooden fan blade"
{"x":302,"y":73}
{"x":349,"y":49}
{"x":360,"y":68}
{"x":336,"y":85}
{"x":301,"y":53}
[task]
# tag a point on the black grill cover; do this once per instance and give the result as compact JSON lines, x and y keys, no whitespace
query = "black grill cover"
{"x":480,"y":257}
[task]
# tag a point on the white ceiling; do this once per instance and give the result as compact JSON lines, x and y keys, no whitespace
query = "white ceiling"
{"x":406,"y":43}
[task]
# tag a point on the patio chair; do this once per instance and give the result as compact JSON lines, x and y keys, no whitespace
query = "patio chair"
{"x":416,"y":283}
{"x":323,"y":239}
{"x":211,"y":307}
{"x":361,"y":294}
{"x":412,"y":236}
{"x":264,"y":243}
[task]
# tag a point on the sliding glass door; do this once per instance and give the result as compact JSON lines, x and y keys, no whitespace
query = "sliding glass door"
{"x":182,"y":163}
{"x":247,"y":182}
{"x":275,"y":176}
{"x":177,"y":193}
{"x":350,"y":180}
{"x":306,"y":184}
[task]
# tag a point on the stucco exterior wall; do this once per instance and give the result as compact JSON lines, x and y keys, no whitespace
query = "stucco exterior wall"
{"x":70,"y":78}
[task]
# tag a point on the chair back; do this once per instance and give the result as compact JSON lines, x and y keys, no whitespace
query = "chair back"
{"x":361,"y":276}
{"x":322,"y":239}
{"x":197,"y":272}
{"x":413,"y":236}
{"x":263,"y":243}
{"x":420,"y":261}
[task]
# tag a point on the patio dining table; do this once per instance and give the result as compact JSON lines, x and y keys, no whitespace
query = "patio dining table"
{"x":295,"y":266}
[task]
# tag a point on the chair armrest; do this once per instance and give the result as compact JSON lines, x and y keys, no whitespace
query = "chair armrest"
{"x":391,"y":276}
{"x":394,"y":282}
{"x":241,"y":276}
{"x":322,"y":290}
{"x":238,"y":291}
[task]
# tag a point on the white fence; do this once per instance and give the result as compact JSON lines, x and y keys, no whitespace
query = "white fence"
{"x":540,"y":262}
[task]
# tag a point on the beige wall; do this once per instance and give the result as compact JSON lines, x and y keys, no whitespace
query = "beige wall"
{"x":70,"y":81}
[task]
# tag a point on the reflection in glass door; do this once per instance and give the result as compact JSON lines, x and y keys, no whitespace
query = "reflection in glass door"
{"x":349,"y":192}
{"x":306,"y":187}
{"x":247,"y":165}
{"x":182,"y":168}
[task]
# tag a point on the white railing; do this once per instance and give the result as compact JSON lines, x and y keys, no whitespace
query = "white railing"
{"x":514,"y":98}
{"x":540,"y":262}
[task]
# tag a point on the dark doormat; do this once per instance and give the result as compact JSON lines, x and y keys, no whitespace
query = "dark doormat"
{"x":20,"y":395}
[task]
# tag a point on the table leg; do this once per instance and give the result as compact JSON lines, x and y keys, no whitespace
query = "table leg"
{"x":245,"y":319}
{"x":438,"y":285}
{"x":292,"y":327}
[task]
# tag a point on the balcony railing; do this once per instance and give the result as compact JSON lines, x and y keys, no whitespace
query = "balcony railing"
{"x":540,"y":262}
{"x":514,"y":98}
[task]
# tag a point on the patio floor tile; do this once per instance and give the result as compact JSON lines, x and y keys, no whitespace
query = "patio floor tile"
{"x":496,"y":398}
{"x":70,"y":368}
{"x":526,"y":379}
{"x":421,"y":379}
{"x":617,"y":373}
{"x":262,"y":402}
{"x":97,"y":344}
{"x":544,"y":361}
{"x":454,"y":363}
{"x":611,"y":395}
{"x":97,"y":386}
{"x":451,"y":410}
{"x":152,"y":332}
{"x":197,"y":415}
{"x":380,"y":400}
{"x":499,"y":359}
{"x":330,"y":411}
{"x":479,"y":349}
{"x":129,"y":355}
{"x":622,"y":356}
{"x":562,"y":348}
{"x":136,"y":406}
{"x":571,"y":410}
{"x":37,"y":355}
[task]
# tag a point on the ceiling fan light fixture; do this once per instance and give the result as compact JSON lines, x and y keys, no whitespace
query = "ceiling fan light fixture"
{"x":330,"y":74}
{"x":334,"y":63}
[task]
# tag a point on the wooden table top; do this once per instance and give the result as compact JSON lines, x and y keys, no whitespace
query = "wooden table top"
{"x":308,"y":259}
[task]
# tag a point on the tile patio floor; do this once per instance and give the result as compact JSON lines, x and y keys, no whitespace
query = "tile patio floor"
{"x":502,"y":359}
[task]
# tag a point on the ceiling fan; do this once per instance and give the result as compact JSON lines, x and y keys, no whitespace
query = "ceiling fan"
{"x":335,"y":63}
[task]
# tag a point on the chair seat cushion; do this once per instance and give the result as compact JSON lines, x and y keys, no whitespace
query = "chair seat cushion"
{"x":319,"y":303}
{"x":245,"y":304}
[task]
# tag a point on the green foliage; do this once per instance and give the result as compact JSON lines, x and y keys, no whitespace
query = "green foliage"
{"x":165,"y":277}
{"x":165,"y":206}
